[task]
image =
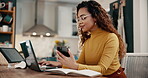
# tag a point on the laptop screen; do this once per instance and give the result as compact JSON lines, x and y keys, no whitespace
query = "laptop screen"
{"x":30,"y":55}
{"x":24,"y":48}
{"x":11,"y":55}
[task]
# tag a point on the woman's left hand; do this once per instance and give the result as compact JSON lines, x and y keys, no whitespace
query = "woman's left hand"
{"x":67,"y":61}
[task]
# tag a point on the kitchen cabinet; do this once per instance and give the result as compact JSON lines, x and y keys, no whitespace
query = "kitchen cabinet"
{"x":66,"y":22}
{"x":7,"y":38}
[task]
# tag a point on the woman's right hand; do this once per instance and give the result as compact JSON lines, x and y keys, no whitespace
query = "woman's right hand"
{"x":51,"y":63}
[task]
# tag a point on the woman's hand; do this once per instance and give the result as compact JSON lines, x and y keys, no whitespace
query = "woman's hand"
{"x":51,"y":63}
{"x":67,"y":61}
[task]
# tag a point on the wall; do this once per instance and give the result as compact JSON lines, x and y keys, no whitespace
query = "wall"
{"x":140,"y":26}
{"x":105,"y":3}
{"x":43,"y":46}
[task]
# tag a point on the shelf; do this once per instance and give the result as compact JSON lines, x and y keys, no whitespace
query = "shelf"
{"x":8,"y":36}
{"x":6,"y":11}
{"x":6,"y":45}
{"x":5,"y":32}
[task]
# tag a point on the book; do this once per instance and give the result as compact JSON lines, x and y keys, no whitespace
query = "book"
{"x":62,"y":71}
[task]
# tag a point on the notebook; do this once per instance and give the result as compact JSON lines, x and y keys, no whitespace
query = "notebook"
{"x":30,"y":57}
{"x":11,"y":55}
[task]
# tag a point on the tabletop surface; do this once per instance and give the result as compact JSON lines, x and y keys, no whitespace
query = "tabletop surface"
{"x":6,"y":72}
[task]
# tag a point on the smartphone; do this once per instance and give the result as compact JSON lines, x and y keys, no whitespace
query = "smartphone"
{"x":63,"y":50}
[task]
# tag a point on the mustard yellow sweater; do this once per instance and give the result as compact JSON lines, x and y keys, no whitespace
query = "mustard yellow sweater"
{"x":100,"y":53}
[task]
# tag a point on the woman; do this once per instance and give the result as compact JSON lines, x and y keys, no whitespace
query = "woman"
{"x":102,"y":46}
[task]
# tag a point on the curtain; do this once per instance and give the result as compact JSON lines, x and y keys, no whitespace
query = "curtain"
{"x":121,"y":29}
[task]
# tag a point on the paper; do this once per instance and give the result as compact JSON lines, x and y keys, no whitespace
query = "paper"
{"x":63,"y":71}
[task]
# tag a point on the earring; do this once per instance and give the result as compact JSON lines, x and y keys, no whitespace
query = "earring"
{"x":95,"y":23}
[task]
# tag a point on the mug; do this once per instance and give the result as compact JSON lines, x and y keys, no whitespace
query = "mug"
{"x":5,"y":28}
{"x":10,"y":5}
{"x":2,"y":5}
{"x":7,"y":19}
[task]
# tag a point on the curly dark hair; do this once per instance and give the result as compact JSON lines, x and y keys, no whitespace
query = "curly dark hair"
{"x":103,"y":21}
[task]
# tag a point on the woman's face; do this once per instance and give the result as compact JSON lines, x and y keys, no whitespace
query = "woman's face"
{"x":85,"y":20}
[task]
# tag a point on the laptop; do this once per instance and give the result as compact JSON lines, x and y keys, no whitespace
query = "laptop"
{"x":11,"y":55}
{"x":30,"y":56}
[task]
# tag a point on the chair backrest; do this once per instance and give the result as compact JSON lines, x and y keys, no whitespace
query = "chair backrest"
{"x":136,"y":65}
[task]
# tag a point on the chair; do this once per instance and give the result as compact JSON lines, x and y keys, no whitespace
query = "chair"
{"x":136,"y":65}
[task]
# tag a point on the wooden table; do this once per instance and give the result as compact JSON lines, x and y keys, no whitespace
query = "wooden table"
{"x":6,"y":72}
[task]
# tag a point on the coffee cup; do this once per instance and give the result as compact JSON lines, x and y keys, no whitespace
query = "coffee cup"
{"x":8,"y":19}
{"x":5,"y":28}
{"x":10,"y":5}
{"x":2,"y":5}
